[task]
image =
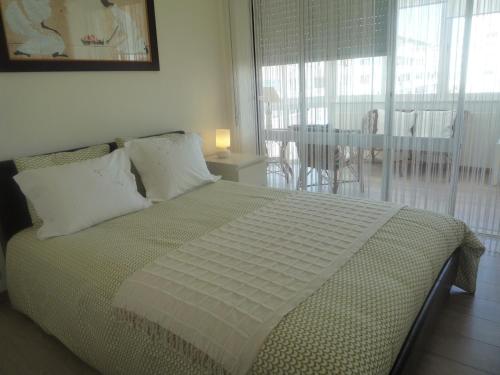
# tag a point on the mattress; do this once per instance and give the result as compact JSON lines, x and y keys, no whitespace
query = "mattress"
{"x":354,"y":324}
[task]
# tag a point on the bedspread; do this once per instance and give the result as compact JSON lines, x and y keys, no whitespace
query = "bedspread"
{"x":355,"y":323}
{"x":224,"y":292}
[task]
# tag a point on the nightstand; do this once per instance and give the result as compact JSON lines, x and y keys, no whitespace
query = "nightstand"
{"x":245,"y":168}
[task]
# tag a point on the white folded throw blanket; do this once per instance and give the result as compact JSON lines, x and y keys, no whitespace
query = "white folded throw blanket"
{"x":224,"y":292}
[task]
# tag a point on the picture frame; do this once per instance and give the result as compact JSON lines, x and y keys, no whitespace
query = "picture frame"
{"x":78,"y":35}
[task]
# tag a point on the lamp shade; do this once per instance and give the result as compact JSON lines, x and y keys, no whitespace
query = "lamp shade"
{"x":222,"y":138}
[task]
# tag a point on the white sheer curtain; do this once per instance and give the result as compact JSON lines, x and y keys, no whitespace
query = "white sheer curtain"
{"x":478,"y":184}
{"x":320,"y":66}
{"x":448,"y":72}
{"x":422,"y":162}
{"x":387,"y":99}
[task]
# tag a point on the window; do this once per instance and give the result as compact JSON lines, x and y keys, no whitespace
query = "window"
{"x":484,"y":54}
{"x":280,"y":95}
{"x":282,"y":78}
{"x":418,"y":49}
{"x":362,"y":76}
{"x":316,"y":97}
{"x":428,"y":62}
{"x":315,"y":79}
{"x":417,"y":59}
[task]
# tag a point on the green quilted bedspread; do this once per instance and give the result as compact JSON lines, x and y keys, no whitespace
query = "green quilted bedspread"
{"x":354,"y":324}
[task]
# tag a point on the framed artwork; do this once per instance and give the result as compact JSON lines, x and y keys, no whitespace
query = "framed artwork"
{"x":77,"y":35}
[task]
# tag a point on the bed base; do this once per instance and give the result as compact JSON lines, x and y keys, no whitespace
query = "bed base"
{"x":422,"y":328}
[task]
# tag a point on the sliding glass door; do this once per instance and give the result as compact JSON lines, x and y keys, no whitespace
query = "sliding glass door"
{"x":387,"y":99}
{"x":316,"y":92}
{"x":478,"y":183}
{"x":427,"y":114}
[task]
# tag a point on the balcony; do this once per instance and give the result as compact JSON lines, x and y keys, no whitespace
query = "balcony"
{"x":418,"y":176}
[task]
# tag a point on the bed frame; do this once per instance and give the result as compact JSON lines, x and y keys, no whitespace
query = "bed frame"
{"x":421,"y":330}
{"x":14,"y":217}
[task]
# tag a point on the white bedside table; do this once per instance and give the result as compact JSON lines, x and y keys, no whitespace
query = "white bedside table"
{"x":245,"y":168}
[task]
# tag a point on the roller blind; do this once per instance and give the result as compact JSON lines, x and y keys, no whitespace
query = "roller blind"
{"x":287,"y":31}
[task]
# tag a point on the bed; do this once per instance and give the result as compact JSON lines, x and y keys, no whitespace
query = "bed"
{"x":365,"y":319}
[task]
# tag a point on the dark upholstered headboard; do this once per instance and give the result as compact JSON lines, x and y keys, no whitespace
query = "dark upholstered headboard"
{"x":14,"y":214}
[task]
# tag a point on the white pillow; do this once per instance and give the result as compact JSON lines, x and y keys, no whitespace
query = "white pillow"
{"x":75,"y":196}
{"x":435,"y":124}
{"x":403,"y":123}
{"x":169,"y":166}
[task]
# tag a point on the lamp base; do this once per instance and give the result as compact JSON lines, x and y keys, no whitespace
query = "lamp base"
{"x":223,"y":153}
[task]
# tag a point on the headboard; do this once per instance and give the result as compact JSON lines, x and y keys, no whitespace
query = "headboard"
{"x":14,"y":214}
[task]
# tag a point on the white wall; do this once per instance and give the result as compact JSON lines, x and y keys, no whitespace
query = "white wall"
{"x":43,"y":112}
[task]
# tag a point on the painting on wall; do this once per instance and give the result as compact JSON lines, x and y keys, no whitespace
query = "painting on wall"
{"x":70,"y":35}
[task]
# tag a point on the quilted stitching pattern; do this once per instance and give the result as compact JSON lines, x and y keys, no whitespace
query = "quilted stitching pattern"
{"x":225,"y":291}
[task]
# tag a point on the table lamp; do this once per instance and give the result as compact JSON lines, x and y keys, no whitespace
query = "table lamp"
{"x":223,"y":142}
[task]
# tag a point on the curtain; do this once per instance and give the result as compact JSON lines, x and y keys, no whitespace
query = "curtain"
{"x":313,"y":58}
{"x":239,"y":17}
{"x":448,"y":72}
{"x":387,"y":99}
{"x":478,"y":183}
{"x":426,"y":85}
